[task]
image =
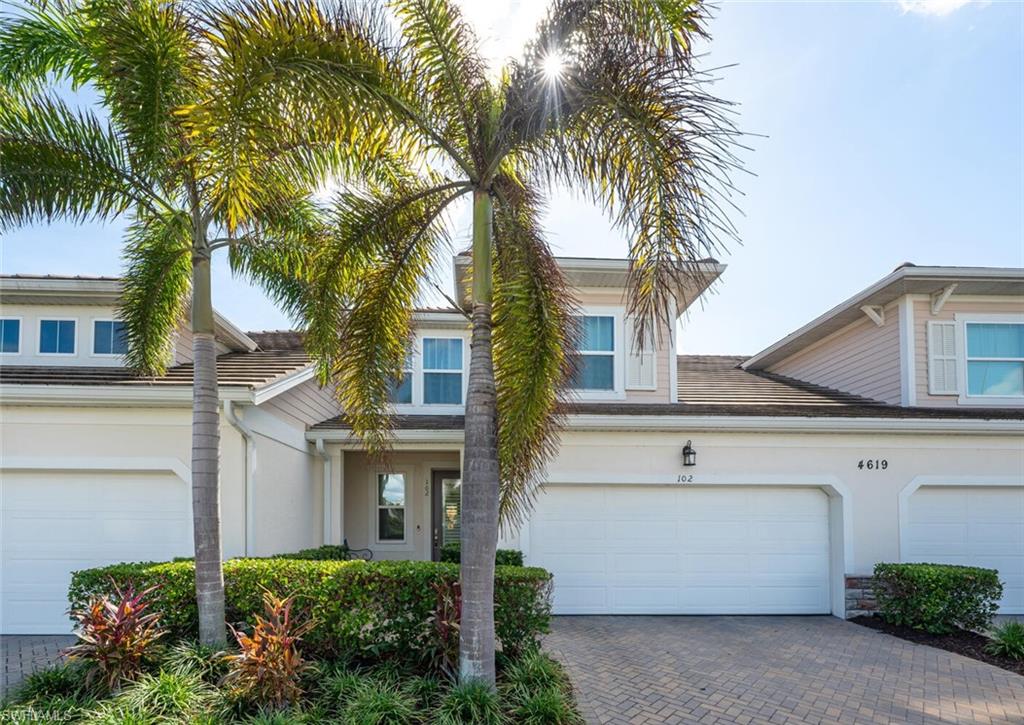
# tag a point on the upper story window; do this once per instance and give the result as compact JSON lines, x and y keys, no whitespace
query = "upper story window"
{"x":108,"y":338}
{"x":401,"y":388}
{"x":57,"y":337}
{"x":10,"y":335}
{"x":995,"y":359}
{"x":442,"y":370}
{"x":595,"y":363}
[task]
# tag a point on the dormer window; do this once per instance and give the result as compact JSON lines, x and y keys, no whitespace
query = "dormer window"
{"x":57,"y":337}
{"x":10,"y":336}
{"x":108,"y":338}
{"x":595,"y":357}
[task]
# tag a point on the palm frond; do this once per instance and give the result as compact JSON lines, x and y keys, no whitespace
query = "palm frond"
{"x":533,"y":334}
{"x":39,"y":46}
{"x":58,"y":163}
{"x":157,"y":280}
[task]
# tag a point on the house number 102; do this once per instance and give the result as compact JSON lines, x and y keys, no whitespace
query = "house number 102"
{"x":873,"y":464}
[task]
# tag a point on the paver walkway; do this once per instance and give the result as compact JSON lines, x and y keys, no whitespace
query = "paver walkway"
{"x":761,"y":670}
{"x":21,"y":654}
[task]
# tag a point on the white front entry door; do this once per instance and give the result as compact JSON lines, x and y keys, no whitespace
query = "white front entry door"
{"x":56,"y":522}
{"x":971,"y":526}
{"x":683,"y":550}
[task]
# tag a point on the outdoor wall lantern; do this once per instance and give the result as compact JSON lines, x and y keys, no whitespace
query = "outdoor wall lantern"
{"x":689,"y":455}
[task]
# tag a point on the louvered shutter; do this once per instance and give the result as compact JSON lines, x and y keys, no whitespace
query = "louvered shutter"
{"x":639,"y":364}
{"x":942,"y":371}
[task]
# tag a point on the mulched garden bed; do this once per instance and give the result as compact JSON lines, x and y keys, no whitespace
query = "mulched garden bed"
{"x":962,"y":642}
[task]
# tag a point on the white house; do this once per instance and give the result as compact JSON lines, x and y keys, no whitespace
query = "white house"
{"x":890,"y":428}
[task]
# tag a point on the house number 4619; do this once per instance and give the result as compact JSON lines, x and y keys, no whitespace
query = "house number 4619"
{"x":873,"y":464}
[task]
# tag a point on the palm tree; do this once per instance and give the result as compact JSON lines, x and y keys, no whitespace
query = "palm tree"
{"x":606,"y":101}
{"x":209,"y":141}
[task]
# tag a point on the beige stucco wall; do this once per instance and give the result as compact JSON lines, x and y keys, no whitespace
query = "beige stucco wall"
{"x":359,"y":509}
{"x":862,"y":358}
{"x":954,"y":305}
{"x":288,"y":512}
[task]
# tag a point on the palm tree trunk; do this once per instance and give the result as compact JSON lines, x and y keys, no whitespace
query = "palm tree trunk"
{"x":480,"y":475}
{"x":205,"y":460}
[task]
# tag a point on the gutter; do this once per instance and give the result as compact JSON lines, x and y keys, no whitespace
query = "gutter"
{"x":249,"y":441}
{"x":106,"y":395}
{"x":328,"y":486}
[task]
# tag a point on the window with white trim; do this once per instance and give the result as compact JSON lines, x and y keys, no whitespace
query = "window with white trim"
{"x":595,"y":356}
{"x":995,"y":359}
{"x":10,"y":336}
{"x":401,"y":387}
{"x":57,"y":337}
{"x":442,"y":371}
{"x":391,"y":505}
{"x":109,"y":337}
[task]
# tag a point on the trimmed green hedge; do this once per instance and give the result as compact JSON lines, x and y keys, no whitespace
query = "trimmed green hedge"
{"x":452,"y":553}
{"x":937,"y":598}
{"x":367,"y":609}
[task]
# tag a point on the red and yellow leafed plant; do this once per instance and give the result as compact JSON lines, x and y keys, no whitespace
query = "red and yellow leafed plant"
{"x":268,"y":668}
{"x":114,"y":635}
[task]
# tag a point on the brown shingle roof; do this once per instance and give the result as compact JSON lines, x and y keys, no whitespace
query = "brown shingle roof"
{"x":277,"y":339}
{"x":239,"y":369}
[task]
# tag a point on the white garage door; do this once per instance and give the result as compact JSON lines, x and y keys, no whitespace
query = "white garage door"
{"x":684,"y":550}
{"x":974,"y":526}
{"x":53,"y":523}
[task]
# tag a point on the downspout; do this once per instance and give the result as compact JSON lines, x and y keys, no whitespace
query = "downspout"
{"x":249,"y":439}
{"x":328,"y":485}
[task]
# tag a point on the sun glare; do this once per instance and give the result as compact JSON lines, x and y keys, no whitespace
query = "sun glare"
{"x":553,"y":64}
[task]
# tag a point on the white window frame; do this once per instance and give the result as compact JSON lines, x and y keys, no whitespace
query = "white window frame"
{"x":618,"y":392}
{"x":92,"y":339}
{"x":962,"y":320}
{"x":417,"y":405}
{"x":21,"y":334}
{"x":407,"y":541}
{"x":423,"y":371}
{"x":652,"y":351}
{"x":39,"y":338}
{"x":409,"y":373}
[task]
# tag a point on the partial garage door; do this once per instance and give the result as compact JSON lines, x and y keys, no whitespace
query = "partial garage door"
{"x":53,"y":523}
{"x":974,"y":526}
{"x":684,"y":550}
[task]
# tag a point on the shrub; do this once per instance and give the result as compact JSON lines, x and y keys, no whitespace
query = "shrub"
{"x":545,"y":706}
{"x":1007,"y":641}
{"x":269,"y":665}
{"x":937,"y":598}
{"x":327,"y":552}
{"x":68,"y":680}
{"x":115,"y":633}
{"x":374,"y":610}
{"x":187,"y":657}
{"x":379,"y":703}
{"x":335,"y":689}
{"x":534,"y":670}
{"x":472,"y":702}
{"x":168,"y":696}
{"x":452,"y":554}
{"x":443,"y":650}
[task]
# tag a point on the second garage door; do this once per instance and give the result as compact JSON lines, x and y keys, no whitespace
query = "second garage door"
{"x":684,"y":550}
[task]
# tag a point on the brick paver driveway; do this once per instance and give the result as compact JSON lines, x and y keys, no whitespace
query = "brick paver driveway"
{"x":772,"y":670}
{"x":21,"y":654}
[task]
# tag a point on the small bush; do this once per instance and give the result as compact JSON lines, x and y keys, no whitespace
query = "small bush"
{"x":1007,"y":641}
{"x":168,"y":695}
{"x":269,"y":666}
{"x":937,"y":598}
{"x":473,"y":702}
{"x":452,"y":554}
{"x":379,"y":703}
{"x":192,"y":658}
{"x":544,"y":706}
{"x":376,"y":610}
{"x":67,"y":681}
{"x":533,"y":671}
{"x":335,"y":689}
{"x":327,"y":552}
{"x":425,"y":690}
{"x":115,"y":633}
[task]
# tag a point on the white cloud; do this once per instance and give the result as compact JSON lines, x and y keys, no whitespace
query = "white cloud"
{"x":932,"y":7}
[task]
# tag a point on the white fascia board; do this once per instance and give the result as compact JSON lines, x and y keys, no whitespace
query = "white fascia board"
{"x":950,"y":273}
{"x":760,"y":424}
{"x":343,"y":435}
{"x":233,"y":333}
{"x":104,"y":395}
{"x":281,"y":385}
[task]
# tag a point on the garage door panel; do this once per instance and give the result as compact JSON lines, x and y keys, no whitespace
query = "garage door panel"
{"x":693,"y":550}
{"x":970,"y":526}
{"x":57,"y":522}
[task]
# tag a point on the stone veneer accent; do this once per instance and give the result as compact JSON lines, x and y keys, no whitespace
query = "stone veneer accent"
{"x":860,"y":596}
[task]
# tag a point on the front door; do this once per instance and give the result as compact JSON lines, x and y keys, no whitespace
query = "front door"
{"x":446,"y":508}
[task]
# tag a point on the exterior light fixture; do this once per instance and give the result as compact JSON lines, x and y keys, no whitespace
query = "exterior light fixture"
{"x":689,"y":455}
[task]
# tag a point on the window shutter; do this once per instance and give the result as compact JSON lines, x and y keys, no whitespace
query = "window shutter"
{"x":639,"y":365}
{"x":942,"y":372}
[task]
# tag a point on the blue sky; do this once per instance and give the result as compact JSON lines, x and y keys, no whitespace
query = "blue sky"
{"x":891,"y":132}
